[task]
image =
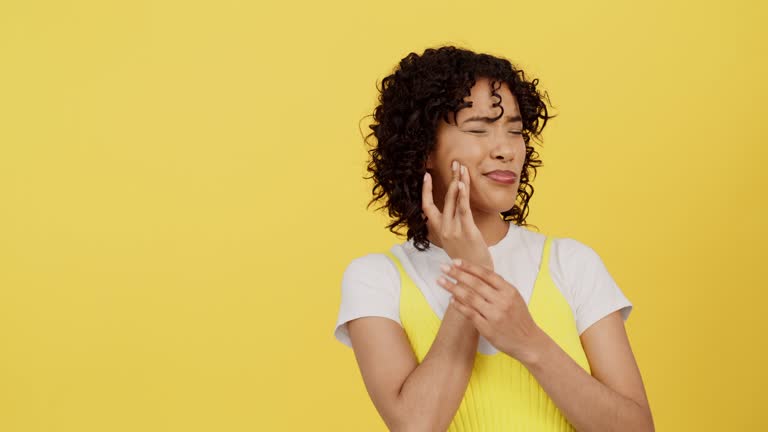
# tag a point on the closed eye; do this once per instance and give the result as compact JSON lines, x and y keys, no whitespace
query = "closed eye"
{"x":512,"y":132}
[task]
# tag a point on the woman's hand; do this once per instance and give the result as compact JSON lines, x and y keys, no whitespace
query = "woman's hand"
{"x":454,"y":227}
{"x":495,"y":307}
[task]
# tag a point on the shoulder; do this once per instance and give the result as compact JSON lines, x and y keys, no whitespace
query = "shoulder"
{"x":592,"y":290}
{"x":371,"y":269}
{"x":370,"y":286}
{"x":371,"y":278}
{"x":563,"y":250}
{"x":371,"y":261}
{"x":527,"y":240}
{"x":573,"y":247}
{"x":573,"y":256}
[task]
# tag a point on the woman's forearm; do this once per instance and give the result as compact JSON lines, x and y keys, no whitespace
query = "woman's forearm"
{"x":433,"y":392}
{"x":588,"y":404}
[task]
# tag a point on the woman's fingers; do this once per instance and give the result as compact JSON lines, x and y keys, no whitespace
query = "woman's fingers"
{"x":449,"y":208}
{"x":464,"y":211}
{"x":428,"y":204}
{"x":466,"y":295}
{"x":479,"y":286}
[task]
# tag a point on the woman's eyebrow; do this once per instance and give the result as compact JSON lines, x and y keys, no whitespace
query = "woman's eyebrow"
{"x":508,"y":118}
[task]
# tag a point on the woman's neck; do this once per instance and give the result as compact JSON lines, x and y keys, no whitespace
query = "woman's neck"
{"x":493,"y":228}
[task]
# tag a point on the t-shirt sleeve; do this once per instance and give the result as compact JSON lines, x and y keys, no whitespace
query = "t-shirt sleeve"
{"x":370,"y":286}
{"x":594,"y":292}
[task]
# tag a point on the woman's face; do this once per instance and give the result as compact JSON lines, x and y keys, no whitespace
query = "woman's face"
{"x":482,"y":146}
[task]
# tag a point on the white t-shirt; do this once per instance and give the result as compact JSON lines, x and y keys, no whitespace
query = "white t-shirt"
{"x":371,"y":283}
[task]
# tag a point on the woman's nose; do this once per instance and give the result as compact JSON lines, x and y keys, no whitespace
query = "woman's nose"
{"x":503,"y":147}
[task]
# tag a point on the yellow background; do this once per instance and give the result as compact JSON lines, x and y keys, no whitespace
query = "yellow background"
{"x":180,"y":192}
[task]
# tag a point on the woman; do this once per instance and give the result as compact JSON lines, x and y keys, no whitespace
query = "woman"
{"x":476,"y":322}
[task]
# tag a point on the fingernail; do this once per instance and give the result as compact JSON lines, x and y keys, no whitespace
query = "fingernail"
{"x":461,"y":185}
{"x":454,"y":165}
{"x":426,"y":176}
{"x":457,"y":262}
{"x":463,"y":170}
{"x":445,"y":268}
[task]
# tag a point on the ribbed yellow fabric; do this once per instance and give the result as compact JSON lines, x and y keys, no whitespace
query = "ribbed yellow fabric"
{"x":501,"y":394}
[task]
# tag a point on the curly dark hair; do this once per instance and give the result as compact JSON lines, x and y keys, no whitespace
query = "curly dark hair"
{"x":421,"y":90}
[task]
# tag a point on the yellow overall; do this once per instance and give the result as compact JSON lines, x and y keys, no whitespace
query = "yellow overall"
{"x":501,"y":395}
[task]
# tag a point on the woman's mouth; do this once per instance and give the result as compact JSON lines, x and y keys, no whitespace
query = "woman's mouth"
{"x":502,"y":176}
